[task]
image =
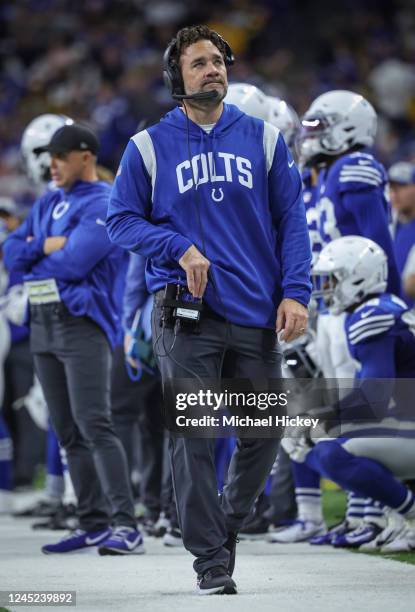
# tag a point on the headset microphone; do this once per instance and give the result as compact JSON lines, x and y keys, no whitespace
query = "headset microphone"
{"x":203,"y":95}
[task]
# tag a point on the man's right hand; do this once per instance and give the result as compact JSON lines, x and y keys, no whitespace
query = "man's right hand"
{"x":54,"y":243}
{"x":196,"y":267}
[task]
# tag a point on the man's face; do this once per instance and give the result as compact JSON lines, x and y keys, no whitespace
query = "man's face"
{"x":403,"y":198}
{"x":66,"y":168}
{"x":203,"y":69}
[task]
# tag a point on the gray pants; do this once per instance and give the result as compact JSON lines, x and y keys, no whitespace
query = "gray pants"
{"x":72,"y":361}
{"x":139,"y":404}
{"x":204,"y":519}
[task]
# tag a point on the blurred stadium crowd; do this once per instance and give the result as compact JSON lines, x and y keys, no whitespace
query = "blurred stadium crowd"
{"x":99,"y":61}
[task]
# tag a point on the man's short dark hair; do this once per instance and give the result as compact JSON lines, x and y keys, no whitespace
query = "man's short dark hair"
{"x":188,"y":36}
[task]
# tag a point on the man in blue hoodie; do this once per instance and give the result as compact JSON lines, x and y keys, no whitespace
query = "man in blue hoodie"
{"x":72,"y":273}
{"x":212,"y":198}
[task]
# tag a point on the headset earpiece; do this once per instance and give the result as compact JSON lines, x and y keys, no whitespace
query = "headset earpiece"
{"x":171,"y":72}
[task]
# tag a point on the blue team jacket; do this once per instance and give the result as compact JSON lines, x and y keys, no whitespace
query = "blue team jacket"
{"x":234,"y":193}
{"x":137,"y":297}
{"x":89,"y":270}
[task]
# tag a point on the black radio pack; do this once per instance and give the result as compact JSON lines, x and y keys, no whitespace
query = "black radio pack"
{"x":180,"y":309}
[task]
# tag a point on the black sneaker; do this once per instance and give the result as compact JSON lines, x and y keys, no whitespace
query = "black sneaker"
{"x":215,"y":581}
{"x":230,"y":544}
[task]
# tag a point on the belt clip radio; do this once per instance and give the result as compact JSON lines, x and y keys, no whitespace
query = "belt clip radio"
{"x":180,"y":310}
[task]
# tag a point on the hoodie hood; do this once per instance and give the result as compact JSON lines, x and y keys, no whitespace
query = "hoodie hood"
{"x":230,"y":115}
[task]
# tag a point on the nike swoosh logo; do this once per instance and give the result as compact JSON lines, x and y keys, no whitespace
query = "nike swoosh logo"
{"x":131,"y":545}
{"x":367,"y":313}
{"x":291,"y":164}
{"x":96,"y":540}
{"x":99,"y":221}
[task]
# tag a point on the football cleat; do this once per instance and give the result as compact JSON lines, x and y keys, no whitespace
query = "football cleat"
{"x":327,"y":538}
{"x":403,"y":542}
{"x":354,"y":539}
{"x":394,"y":528}
{"x":299,"y":531}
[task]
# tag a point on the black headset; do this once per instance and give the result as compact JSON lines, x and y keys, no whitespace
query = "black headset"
{"x":172,"y":74}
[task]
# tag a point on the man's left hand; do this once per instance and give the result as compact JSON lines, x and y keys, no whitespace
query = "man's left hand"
{"x":292,"y":317}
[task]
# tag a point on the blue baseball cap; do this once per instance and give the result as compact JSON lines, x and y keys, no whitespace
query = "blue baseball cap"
{"x":403,"y":173}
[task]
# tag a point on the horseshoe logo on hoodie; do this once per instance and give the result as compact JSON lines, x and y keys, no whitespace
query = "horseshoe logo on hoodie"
{"x":60,"y":209}
{"x":216,"y":198}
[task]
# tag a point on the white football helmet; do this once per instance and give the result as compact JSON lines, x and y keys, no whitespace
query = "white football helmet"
{"x":347,"y":270}
{"x":38,"y":134}
{"x":335,"y":122}
{"x":284,"y":117}
{"x":249,"y":99}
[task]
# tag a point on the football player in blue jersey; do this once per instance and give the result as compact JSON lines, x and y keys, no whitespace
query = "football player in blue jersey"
{"x":309,"y":178}
{"x":402,"y":190}
{"x":351,"y":197}
{"x":376,"y":446}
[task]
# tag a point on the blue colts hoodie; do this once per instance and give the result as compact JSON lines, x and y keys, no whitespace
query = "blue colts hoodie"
{"x":234,"y":193}
{"x":89,"y":271}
